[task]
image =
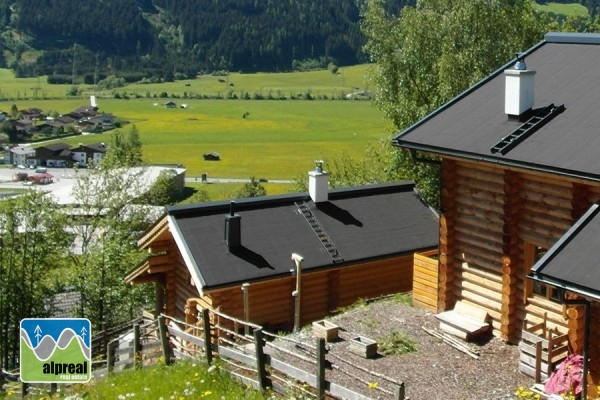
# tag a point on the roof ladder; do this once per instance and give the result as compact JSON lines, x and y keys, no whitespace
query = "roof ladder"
{"x":319,"y":231}
{"x":534,"y":123}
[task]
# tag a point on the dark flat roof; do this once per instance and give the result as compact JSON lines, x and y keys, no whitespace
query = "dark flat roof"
{"x":364,"y":224}
{"x":572,"y":263}
{"x":567,"y":74}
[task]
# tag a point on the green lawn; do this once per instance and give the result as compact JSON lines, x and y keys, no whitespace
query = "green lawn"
{"x":575,"y":9}
{"x":279,"y":139}
{"x":319,"y":83}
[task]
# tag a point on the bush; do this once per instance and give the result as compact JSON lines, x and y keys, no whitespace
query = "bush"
{"x":396,"y":343}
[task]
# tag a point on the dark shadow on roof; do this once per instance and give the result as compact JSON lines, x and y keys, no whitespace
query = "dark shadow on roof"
{"x":251,"y":257}
{"x":338,"y":213}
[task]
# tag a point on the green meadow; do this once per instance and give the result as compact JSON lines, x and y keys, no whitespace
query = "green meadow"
{"x":574,"y":9}
{"x":278,"y":139}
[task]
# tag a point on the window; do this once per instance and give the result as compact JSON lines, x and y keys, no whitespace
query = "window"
{"x":537,"y":289}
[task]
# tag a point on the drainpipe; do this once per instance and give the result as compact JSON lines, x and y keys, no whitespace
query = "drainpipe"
{"x":586,"y":335}
{"x":245,"y":287}
{"x":298,"y":259}
{"x":419,"y":159}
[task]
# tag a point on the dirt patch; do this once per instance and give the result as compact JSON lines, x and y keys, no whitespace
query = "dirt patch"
{"x":435,"y":371}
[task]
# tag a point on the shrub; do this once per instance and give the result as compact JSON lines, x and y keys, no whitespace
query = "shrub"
{"x":396,"y":343}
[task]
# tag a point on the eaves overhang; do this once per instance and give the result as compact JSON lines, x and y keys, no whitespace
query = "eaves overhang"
{"x":539,"y":274}
{"x":186,"y":254}
{"x":440,"y":152}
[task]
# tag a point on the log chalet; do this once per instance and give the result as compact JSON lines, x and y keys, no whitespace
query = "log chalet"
{"x":519,"y":162}
{"x":236,"y":257}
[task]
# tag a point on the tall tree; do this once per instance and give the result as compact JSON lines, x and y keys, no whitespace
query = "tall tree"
{"x":33,"y":244}
{"x":125,"y":149}
{"x":105,"y":198}
{"x":432,"y":52}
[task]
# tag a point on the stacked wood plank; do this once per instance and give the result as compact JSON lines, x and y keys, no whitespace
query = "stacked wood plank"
{"x":425,"y":280}
{"x":541,"y":350}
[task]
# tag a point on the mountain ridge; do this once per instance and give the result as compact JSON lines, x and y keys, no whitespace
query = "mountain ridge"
{"x":167,"y":38}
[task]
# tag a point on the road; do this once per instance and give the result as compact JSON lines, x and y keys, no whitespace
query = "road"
{"x":235,"y":180}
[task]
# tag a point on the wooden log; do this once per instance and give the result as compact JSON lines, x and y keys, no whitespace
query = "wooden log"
{"x":478,"y":184}
{"x":480,"y":172}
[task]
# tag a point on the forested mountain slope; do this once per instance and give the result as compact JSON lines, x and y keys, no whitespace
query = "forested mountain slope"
{"x":95,"y":38}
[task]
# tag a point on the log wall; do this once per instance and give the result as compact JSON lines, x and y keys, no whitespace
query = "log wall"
{"x":271,"y":303}
{"x":425,"y":280}
{"x":474,"y":256}
{"x":489,"y":217}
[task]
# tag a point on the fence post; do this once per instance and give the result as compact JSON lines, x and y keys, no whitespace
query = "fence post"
{"x":164,"y":340}
{"x":400,"y":392}
{"x":24,"y":387}
{"x":263,"y":381}
{"x":110,"y":357}
{"x":320,"y":368}
{"x":137,"y":348}
{"x":538,"y":361}
{"x":54,"y":386}
{"x":207,"y":336}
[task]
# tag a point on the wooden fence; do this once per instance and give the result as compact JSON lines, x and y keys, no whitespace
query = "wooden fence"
{"x":425,"y":280}
{"x":255,"y":357}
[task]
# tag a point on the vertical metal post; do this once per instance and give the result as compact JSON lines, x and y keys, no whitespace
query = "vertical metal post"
{"x":297,"y":293}
{"x":245,"y":287}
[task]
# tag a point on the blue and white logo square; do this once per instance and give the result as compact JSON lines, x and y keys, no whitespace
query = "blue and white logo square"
{"x":56,"y":350}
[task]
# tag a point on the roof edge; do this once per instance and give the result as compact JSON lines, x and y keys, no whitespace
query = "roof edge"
{"x":572,"y":38}
{"x":439,"y":151}
{"x":580,"y":224}
{"x":396,"y":139}
{"x":335,"y":194}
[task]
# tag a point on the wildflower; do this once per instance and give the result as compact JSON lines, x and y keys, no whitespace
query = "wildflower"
{"x":207,"y":393}
{"x":146,"y":389}
{"x":373,"y":385}
{"x":121,"y":397}
{"x":212,"y":368}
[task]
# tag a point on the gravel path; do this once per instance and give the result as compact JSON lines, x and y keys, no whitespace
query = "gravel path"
{"x":435,"y":371}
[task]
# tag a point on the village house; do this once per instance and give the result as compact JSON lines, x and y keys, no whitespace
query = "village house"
{"x":19,"y":155}
{"x":83,"y":153}
{"x":350,"y":243}
{"x":56,"y":155}
{"x":518,"y":155}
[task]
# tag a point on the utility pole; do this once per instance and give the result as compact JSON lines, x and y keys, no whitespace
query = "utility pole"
{"x":73,"y":70}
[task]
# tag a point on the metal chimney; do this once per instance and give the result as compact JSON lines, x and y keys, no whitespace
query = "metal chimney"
{"x":519,"y":89}
{"x":318,"y":183}
{"x":233,"y":228}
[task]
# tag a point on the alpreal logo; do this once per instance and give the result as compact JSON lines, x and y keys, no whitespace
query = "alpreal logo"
{"x":56,"y":350}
